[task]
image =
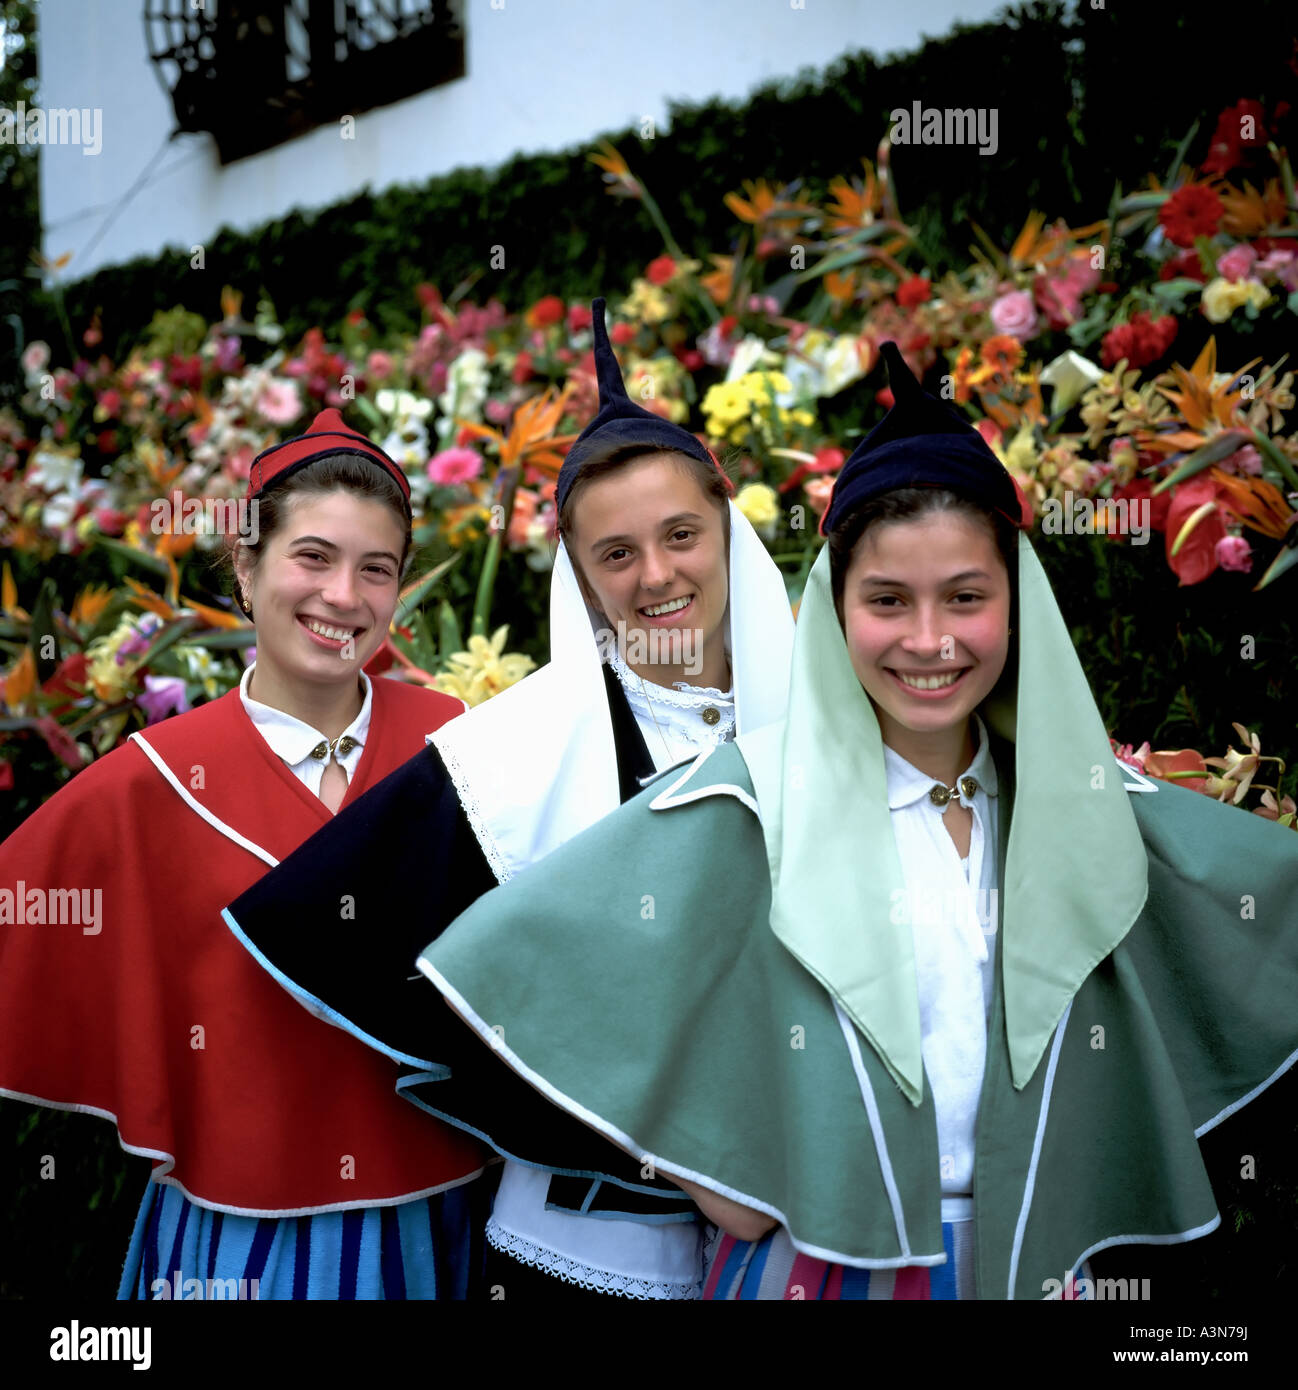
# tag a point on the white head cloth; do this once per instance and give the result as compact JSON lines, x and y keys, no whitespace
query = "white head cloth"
{"x":536,"y":764}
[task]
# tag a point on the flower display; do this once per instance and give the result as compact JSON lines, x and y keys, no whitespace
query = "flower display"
{"x":1106,"y":362}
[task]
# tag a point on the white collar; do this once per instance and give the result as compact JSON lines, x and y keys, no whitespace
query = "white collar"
{"x":696,"y":713}
{"x":293,"y":740}
{"x":907,"y":784}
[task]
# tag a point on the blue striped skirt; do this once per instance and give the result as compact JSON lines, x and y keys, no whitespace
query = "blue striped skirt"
{"x":771,"y":1268}
{"x":430,"y":1247}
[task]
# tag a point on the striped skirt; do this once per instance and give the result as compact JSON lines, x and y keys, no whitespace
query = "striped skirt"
{"x":772,"y":1268}
{"x":430,"y":1247}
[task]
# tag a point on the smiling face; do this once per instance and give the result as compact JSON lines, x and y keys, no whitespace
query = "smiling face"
{"x":650,"y":547}
{"x":323,"y":591}
{"x":926,"y":607}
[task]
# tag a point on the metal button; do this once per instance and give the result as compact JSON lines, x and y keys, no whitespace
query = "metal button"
{"x":967,"y":788}
{"x":345,"y":746}
{"x":320,"y":751}
{"x":939,"y":795}
{"x":711,"y":716}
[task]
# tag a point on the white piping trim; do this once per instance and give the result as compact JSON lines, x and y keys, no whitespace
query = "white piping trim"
{"x":627,"y":1144}
{"x":198,"y":808}
{"x":168,"y":1162}
{"x":1031,"y":1182}
{"x":1141,"y":784}
{"x":667,"y":799}
{"x":1177,"y":1238}
{"x":876,"y":1129}
{"x":1244,"y":1100}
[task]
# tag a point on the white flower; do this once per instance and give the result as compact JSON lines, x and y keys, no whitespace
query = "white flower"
{"x":842,"y":364}
{"x":750,"y":354}
{"x":54,"y":470}
{"x":1070,"y":374}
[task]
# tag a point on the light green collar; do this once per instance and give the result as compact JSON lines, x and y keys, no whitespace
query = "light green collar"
{"x":1075,"y":873}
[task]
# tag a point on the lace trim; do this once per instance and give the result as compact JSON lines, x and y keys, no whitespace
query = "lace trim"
{"x":585,"y":1276}
{"x":681,"y":695}
{"x":473,"y":811}
{"x":679,"y":707}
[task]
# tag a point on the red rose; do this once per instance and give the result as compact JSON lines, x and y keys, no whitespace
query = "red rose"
{"x":914,"y":291}
{"x":578,"y":318}
{"x":622,"y":334}
{"x":689,"y":358}
{"x":660,"y":271}
{"x":1185,"y":265}
{"x":1192,"y":211}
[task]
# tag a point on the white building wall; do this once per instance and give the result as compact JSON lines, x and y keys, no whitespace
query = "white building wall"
{"x":540,"y":75}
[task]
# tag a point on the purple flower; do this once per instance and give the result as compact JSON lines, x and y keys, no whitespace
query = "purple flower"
{"x":164,"y":695}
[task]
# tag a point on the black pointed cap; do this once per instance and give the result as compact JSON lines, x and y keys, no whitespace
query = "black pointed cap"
{"x":922,"y":442}
{"x":620,"y":422}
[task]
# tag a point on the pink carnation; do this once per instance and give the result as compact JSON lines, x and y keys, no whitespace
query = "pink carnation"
{"x":1235,"y":553}
{"x":279,"y":403}
{"x":1244,"y":463}
{"x":453,"y":466}
{"x":1236,"y":263}
{"x":1015,"y":314}
{"x":380,"y":365}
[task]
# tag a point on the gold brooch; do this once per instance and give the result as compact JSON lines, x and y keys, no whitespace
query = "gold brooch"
{"x":939,"y":795}
{"x":339,"y":747}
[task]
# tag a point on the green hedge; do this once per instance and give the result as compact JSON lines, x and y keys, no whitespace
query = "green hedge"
{"x":1085,"y":100}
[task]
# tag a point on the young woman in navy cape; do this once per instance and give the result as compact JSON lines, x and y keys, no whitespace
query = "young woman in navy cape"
{"x":283,"y":1164}
{"x":931,"y":987}
{"x":670,"y":631}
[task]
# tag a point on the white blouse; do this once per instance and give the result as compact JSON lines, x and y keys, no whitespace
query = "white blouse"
{"x":292,"y":740}
{"x":952,"y":905}
{"x":632,"y":1258}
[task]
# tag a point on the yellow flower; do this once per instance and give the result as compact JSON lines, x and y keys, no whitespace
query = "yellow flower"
{"x":761,"y":505}
{"x":1221,"y":298}
{"x":484,"y":670}
{"x":647,"y":302}
{"x":110,"y":679}
{"x":1021,"y":456}
{"x":726,"y":405}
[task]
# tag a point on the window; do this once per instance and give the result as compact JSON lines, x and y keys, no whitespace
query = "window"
{"x":256,"y":73}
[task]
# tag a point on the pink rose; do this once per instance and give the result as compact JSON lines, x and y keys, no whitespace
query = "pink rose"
{"x":453,"y":466}
{"x":1244,"y":463}
{"x":1015,"y":314}
{"x":1283,"y":265}
{"x":1236,"y":263}
{"x":380,"y":365}
{"x":1234,"y":553}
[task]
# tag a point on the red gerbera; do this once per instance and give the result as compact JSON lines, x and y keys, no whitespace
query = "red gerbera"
{"x":1192,"y":211}
{"x":660,"y":271}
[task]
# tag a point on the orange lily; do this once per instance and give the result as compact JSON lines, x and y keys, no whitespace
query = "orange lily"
{"x":617,"y":172}
{"x":19,"y":683}
{"x":850,"y":206}
{"x":9,"y":596}
{"x":531,"y":440}
{"x":89,"y":605}
{"x":719,"y":283}
{"x":1250,"y":213}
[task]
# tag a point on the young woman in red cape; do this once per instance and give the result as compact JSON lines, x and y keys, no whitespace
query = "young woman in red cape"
{"x":284,"y":1164}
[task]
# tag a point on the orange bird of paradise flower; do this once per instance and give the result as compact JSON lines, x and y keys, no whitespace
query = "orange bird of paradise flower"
{"x":1206,"y":406}
{"x":531,"y":441}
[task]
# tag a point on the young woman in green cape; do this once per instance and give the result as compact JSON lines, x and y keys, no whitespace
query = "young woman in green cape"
{"x":959,"y":998}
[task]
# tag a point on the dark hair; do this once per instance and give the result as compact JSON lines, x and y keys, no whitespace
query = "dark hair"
{"x":354,"y":473}
{"x":710,"y":480}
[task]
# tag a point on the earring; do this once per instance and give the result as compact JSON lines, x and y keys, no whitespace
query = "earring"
{"x":247,"y":607}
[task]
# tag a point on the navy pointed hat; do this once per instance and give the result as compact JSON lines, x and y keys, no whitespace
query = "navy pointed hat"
{"x":620,"y":422}
{"x":922,"y":442}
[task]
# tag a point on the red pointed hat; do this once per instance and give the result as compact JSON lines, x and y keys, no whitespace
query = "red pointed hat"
{"x":327,"y":435}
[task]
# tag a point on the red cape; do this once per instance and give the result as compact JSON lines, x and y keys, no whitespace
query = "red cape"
{"x":160,"y":1020}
